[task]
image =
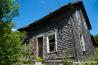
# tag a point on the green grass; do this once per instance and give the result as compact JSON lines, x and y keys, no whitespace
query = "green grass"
{"x":97,"y":49}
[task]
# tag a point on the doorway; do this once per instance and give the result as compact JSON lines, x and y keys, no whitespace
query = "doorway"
{"x":40,"y":46}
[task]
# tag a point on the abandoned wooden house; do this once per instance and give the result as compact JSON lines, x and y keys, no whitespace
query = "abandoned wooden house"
{"x":66,"y":28}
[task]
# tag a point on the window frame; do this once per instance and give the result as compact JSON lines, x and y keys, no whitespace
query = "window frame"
{"x":85,"y":28}
{"x":78,"y":17}
{"x":48,"y":46}
{"x":83,"y":42}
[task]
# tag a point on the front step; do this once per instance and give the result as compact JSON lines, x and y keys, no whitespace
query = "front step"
{"x":38,"y":63}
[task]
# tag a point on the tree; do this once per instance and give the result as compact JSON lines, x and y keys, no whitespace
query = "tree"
{"x":11,"y":49}
{"x":8,"y":10}
{"x":96,"y":39}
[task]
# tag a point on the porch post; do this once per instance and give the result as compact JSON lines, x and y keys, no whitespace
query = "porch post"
{"x":37,"y":48}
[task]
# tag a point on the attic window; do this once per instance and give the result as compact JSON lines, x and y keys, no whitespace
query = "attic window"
{"x":78,"y":17}
{"x":84,"y":25}
{"x":52,"y":44}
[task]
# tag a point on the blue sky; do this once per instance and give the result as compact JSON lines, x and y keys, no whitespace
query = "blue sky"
{"x":32,"y":10}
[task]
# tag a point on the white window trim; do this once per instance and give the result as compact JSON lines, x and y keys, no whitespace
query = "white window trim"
{"x":48,"y":50}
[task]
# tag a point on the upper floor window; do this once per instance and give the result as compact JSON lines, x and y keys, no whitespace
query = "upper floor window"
{"x":78,"y":17}
{"x":52,"y":42}
{"x":84,"y":25}
{"x":81,"y":20}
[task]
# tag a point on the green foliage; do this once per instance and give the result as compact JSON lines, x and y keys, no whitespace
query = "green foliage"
{"x":43,"y":64}
{"x":26,"y":54}
{"x":12,"y":51}
{"x":96,"y":39}
{"x":97,"y":49}
{"x":90,"y":64}
{"x":67,"y":60}
{"x":8,"y":10}
{"x":39,"y":59}
{"x":10,"y":44}
{"x":92,"y":59}
{"x":96,"y":57}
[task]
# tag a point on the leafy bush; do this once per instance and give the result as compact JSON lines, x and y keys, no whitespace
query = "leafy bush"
{"x":67,"y":60}
{"x":26,"y":54}
{"x":12,"y":51}
{"x":93,"y":59}
{"x":39,"y":59}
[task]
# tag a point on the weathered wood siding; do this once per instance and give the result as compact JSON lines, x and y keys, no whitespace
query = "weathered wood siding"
{"x":90,"y":49}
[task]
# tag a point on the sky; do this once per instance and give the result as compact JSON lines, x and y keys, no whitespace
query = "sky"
{"x":32,"y":10}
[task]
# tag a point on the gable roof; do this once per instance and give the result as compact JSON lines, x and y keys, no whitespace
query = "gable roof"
{"x":78,"y":4}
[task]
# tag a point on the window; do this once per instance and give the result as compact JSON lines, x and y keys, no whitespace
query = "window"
{"x":81,"y":21}
{"x":78,"y":17}
{"x":82,"y":43}
{"x":52,"y":44}
{"x":84,"y":25}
